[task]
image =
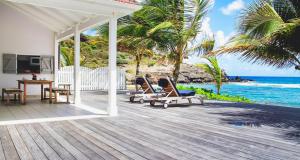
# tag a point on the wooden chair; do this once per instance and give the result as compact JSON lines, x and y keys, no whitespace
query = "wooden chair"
{"x":65,"y":86}
{"x":56,"y":91}
{"x":12,"y":91}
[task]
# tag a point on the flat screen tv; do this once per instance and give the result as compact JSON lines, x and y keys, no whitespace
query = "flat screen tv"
{"x":28,"y":64}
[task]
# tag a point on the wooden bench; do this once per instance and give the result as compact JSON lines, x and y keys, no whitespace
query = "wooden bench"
{"x":65,"y":86}
{"x":12,"y":91}
{"x":56,"y":91}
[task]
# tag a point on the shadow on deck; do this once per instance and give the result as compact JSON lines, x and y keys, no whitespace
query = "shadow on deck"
{"x":256,"y":115}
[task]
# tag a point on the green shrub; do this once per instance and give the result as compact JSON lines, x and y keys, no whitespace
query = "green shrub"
{"x":209,"y":94}
{"x":151,"y":63}
{"x":122,"y":61}
{"x":130,"y":71}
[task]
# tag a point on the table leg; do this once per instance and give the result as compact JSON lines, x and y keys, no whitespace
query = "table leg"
{"x":55,"y":97}
{"x":50,"y":92}
{"x":68,"y":101}
{"x":25,"y":93}
{"x":42,"y":91}
{"x":19,"y":87}
{"x":21,"y":98}
{"x":2,"y":94}
{"x":8,"y":99}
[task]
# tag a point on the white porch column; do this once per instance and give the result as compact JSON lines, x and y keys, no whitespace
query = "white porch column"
{"x":56,"y":63}
{"x":112,"y":91}
{"x":77,"y":74}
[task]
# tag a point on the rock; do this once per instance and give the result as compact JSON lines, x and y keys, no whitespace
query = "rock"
{"x":188,"y":73}
{"x":239,"y":79}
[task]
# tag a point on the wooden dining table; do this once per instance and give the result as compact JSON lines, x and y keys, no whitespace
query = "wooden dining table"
{"x":36,"y":82}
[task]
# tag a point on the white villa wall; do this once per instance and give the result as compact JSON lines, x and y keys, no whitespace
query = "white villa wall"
{"x":20,"y":34}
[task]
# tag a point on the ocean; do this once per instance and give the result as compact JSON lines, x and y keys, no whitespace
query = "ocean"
{"x":282,"y":91}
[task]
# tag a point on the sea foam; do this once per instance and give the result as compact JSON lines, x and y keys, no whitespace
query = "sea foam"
{"x":273,"y":85}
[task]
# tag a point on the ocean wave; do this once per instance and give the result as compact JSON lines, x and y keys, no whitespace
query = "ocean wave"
{"x":273,"y":85}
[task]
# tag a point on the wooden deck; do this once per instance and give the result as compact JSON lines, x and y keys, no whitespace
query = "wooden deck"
{"x":214,"y":131}
{"x":35,"y":109}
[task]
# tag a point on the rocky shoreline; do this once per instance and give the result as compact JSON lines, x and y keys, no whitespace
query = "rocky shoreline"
{"x":188,"y":74}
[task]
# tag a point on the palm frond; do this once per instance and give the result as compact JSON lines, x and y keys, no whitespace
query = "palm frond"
{"x":206,"y":46}
{"x":194,"y":13}
{"x":213,"y":69}
{"x":287,"y":9}
{"x":161,"y":26}
{"x":261,"y":52}
{"x":259,"y":19}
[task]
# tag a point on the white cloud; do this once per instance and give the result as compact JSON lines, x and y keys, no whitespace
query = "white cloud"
{"x":221,"y":38}
{"x":233,"y":6}
{"x":206,"y":27}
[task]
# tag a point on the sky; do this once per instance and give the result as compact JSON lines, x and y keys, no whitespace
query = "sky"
{"x":221,"y":22}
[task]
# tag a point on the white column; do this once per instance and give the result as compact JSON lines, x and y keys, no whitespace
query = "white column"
{"x":77,"y":75}
{"x":56,"y":63}
{"x":112,"y":91}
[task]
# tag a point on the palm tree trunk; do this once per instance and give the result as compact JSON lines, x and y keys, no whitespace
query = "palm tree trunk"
{"x":177,"y":67}
{"x":218,"y":90}
{"x":137,"y":69}
{"x":138,"y":64}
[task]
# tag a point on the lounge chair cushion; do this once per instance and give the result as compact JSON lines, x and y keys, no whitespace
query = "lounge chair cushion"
{"x":186,"y":93}
{"x":163,"y":82}
{"x":139,"y":81}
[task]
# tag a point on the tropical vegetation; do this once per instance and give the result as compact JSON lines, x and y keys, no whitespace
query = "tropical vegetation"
{"x":172,"y":24}
{"x":94,"y":52}
{"x":269,"y":32}
{"x":209,"y":94}
{"x":133,"y":38}
{"x":213,"y":68}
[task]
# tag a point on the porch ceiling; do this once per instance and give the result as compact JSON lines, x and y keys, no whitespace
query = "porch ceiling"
{"x":61,"y":16}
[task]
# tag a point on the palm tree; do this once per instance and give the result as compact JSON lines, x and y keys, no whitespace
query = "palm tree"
{"x":133,"y":38}
{"x":214,"y":70}
{"x":175,"y":25}
{"x":269,"y":34}
{"x":134,"y":46}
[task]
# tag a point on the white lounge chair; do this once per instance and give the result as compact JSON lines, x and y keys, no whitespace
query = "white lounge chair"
{"x":173,"y":94}
{"x":144,"y":92}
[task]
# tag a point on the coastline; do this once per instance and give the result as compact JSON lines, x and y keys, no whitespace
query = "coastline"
{"x":274,"y":91}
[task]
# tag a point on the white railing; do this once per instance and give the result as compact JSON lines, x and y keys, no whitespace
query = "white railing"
{"x":91,"y":79}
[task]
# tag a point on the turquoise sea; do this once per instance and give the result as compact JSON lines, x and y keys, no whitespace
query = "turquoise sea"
{"x":283,"y":91}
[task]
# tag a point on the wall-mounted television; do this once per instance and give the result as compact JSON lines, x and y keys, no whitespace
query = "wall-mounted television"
{"x":27,"y":64}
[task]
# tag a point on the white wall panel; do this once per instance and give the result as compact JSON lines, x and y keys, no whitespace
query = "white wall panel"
{"x":21,"y":35}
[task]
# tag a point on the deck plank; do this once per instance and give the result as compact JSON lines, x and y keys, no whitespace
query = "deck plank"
{"x":69,"y":147}
{"x":2,"y":156}
{"x":136,"y":145}
{"x":90,"y":154}
{"x":45,"y":144}
{"x":9,"y":149}
{"x":165,"y":137}
{"x":21,"y":148}
{"x":97,"y":142}
{"x":30,"y":143}
{"x":113,"y":144}
{"x":93,"y":145}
